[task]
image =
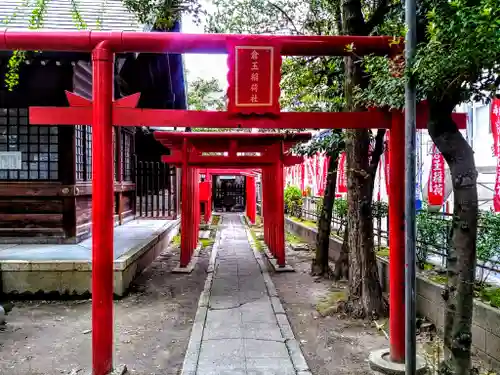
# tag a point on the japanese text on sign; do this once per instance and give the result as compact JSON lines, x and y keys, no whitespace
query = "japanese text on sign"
{"x":254,"y":76}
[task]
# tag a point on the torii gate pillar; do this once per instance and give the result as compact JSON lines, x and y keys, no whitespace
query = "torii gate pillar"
{"x":266,"y":205}
{"x":206,"y":197}
{"x":279,"y":213}
{"x":251,"y":198}
{"x":397,"y":237}
{"x":190,"y":209}
{"x":102,"y":210}
{"x":273,"y":209}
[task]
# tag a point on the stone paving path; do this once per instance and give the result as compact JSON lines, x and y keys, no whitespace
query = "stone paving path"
{"x":241,"y":327}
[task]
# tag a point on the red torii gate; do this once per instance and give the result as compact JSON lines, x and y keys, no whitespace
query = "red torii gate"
{"x":206,"y":190}
{"x":267,"y":151}
{"x":246,"y":110}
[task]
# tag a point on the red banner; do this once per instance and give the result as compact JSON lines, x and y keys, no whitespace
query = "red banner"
{"x":341,"y":175}
{"x":496,"y":194}
{"x":495,"y":125}
{"x":254,"y":77}
{"x":386,"y":161}
{"x":324,"y":176}
{"x":495,"y":129}
{"x":302,"y":177}
{"x":436,"y":179}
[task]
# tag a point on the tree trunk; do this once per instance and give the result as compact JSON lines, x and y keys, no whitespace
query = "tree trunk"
{"x":341,"y":270}
{"x":319,"y":265}
{"x":365,"y":298}
{"x":365,"y":293}
{"x":458,"y":294}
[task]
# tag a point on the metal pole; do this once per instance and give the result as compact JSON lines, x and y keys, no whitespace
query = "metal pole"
{"x":102,"y":210}
{"x":410,"y":227}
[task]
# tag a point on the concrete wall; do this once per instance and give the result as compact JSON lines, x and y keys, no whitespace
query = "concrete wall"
{"x":485,"y":320}
{"x":58,"y":278}
{"x":309,"y":235}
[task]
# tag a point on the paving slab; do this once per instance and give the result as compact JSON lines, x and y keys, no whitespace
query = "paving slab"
{"x":245,"y":330}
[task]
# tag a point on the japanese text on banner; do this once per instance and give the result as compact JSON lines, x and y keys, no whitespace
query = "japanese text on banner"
{"x":495,"y":125}
{"x":342,"y":178}
{"x":495,"y":129}
{"x":387,"y":161}
{"x":436,"y":179}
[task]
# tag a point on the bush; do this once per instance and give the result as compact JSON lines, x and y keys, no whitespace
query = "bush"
{"x":319,"y":207}
{"x":488,"y":241}
{"x":380,"y":210}
{"x":293,"y":201}
{"x":433,"y":232}
{"x":340,"y":208}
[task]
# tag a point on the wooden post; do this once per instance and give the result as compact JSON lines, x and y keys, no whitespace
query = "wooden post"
{"x":102,"y":211}
{"x":280,"y":215}
{"x":397,"y":238}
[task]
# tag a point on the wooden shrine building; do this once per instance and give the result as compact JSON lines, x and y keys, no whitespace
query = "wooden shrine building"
{"x":46,"y":171}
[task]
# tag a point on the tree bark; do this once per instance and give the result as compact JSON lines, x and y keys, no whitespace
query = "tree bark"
{"x":319,"y":265}
{"x":341,"y":270}
{"x":458,"y":294}
{"x":365,"y":293}
{"x":365,"y":298}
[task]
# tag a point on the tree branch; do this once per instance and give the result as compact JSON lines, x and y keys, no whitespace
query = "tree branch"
{"x":377,"y":17}
{"x":378,"y":150}
{"x":287,"y":17}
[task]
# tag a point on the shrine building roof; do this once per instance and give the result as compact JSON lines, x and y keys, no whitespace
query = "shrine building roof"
{"x":105,"y":15}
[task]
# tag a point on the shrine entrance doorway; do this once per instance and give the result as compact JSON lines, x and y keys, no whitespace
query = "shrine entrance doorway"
{"x":228,"y":193}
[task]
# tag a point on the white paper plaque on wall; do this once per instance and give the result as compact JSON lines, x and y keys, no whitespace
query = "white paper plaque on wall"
{"x":10,"y":160}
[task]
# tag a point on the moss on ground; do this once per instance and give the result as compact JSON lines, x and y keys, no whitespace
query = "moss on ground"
{"x":438,"y":279}
{"x":293,"y":239}
{"x":176,"y":241}
{"x":383,"y":252}
{"x":258,"y":243}
{"x":258,"y":220}
{"x":206,"y":242}
{"x":327,"y":305}
{"x":490,"y":295}
{"x":215,"y":219}
{"x":307,"y":223}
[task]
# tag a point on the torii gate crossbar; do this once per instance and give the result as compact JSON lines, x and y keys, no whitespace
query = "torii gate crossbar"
{"x":250,"y":150}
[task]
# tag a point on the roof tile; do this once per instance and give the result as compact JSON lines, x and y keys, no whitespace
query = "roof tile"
{"x":105,"y":15}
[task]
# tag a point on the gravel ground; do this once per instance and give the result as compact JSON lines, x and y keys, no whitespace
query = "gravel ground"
{"x":152,"y":326}
{"x":330,"y":345}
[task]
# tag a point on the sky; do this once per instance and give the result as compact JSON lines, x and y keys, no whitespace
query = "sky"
{"x":204,"y":66}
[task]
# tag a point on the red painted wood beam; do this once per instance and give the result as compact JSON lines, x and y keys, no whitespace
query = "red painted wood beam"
{"x":157,"y":42}
{"x":213,"y":119}
{"x":232,"y":136}
{"x":230,"y":172}
{"x":248,"y":162}
{"x":203,"y":119}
